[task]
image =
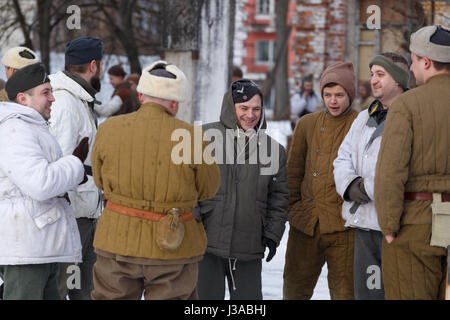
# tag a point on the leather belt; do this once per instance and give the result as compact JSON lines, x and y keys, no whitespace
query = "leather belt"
{"x":137,"y":213}
{"x":425,"y":196}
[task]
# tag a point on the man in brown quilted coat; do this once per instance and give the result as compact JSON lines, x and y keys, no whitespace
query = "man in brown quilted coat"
{"x":133,"y":164}
{"x":413,"y":163}
{"x":317,"y":233}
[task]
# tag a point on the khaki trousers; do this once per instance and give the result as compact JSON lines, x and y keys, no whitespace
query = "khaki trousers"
{"x":305,"y":257}
{"x":115,"y":280}
{"x":411,"y":268}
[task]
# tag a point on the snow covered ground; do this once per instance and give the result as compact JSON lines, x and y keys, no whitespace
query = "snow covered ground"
{"x":272,"y":275}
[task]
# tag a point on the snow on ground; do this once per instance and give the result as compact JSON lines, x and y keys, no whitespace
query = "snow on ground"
{"x":272,"y":275}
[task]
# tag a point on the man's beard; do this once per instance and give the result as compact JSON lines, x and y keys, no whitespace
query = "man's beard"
{"x":95,"y":83}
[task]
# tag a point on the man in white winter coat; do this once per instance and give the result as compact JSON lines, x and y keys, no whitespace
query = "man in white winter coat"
{"x":354,"y":173}
{"x":37,"y":226}
{"x":73,"y":118}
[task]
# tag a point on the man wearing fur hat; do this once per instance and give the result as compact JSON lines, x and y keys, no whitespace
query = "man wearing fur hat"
{"x":14,"y":59}
{"x":412,"y":180}
{"x":354,"y":172}
{"x":317,"y":233}
{"x":37,"y":226}
{"x":73,"y":118}
{"x":147,"y":241}
{"x":248,"y":213}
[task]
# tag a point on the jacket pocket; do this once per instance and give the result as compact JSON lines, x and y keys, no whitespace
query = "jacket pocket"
{"x":46,"y":212}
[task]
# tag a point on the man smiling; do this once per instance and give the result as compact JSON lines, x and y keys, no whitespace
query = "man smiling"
{"x":248,"y":213}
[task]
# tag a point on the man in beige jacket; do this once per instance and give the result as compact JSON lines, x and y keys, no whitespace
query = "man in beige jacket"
{"x":413,"y":163}
{"x":133,"y":164}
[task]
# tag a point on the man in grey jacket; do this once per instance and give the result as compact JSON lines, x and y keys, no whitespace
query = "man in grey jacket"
{"x":354,"y":173}
{"x":249,"y":211}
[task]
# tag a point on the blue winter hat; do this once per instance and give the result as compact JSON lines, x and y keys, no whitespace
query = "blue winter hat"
{"x":83,"y":50}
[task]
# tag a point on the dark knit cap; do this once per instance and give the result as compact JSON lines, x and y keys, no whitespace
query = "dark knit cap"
{"x":243,"y":90}
{"x":25,"y":79}
{"x":117,"y":70}
{"x":83,"y":50}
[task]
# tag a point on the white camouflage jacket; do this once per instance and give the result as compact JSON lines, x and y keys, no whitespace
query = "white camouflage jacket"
{"x":71,"y":120}
{"x":37,"y":225}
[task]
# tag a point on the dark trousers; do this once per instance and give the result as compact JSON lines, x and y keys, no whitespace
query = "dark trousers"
{"x":30,"y":281}
{"x":367,"y":265}
{"x":244,"y":278}
{"x":83,"y":270}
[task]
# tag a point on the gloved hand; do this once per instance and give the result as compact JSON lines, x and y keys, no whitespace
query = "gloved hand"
{"x":356,"y":192}
{"x":266,"y":242}
{"x":82,"y":150}
{"x":124,"y":94}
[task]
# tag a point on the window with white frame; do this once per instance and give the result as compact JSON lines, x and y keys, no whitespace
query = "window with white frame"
{"x":264,"y":7}
{"x":265,"y":51}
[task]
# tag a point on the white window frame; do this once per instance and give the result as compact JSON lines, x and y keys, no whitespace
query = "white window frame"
{"x":271,"y":52}
{"x":264,"y":15}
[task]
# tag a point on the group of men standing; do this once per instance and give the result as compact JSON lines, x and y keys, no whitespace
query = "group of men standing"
{"x":358,"y":189}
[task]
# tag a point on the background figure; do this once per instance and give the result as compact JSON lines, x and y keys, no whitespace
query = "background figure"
{"x":122,"y":89}
{"x":133,"y":80}
{"x":248,"y":213}
{"x":364,"y":96}
{"x":73,"y":118}
{"x":37,"y":225}
{"x":2,"y":84}
{"x":305,"y":101}
{"x":13,"y":60}
{"x":149,"y":195}
{"x":412,"y":180}
{"x":354,"y":173}
{"x":317,"y":233}
{"x":237,"y":74}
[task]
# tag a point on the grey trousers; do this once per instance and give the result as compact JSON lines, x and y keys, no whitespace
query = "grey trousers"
{"x":30,"y":281}
{"x":368,"y":280}
{"x":244,"y":278}
{"x":69,"y":271}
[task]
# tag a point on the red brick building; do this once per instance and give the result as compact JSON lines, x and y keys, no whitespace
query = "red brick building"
{"x":328,"y":31}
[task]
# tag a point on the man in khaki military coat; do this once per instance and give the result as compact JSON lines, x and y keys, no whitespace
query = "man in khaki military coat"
{"x":146,"y":187}
{"x":413,"y":163}
{"x":15,"y":59}
{"x":317,"y":233}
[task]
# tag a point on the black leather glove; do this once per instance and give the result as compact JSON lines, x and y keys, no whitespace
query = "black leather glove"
{"x":356,"y":192}
{"x":272,"y":247}
{"x":82,"y":150}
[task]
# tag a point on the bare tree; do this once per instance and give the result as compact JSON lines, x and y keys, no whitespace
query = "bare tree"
{"x":282,"y":102}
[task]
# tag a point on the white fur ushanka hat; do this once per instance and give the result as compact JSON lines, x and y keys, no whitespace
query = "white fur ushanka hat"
{"x":19,"y":57}
{"x":162,"y":87}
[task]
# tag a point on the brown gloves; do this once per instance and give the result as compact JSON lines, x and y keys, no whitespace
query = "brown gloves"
{"x":356,"y":192}
{"x":81,"y":152}
{"x":124,"y":94}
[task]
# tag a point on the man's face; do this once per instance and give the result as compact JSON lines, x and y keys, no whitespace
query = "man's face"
{"x":384,"y":87}
{"x":308,"y":86}
{"x":115,"y":80}
{"x":336,"y":99}
{"x":40,"y":99}
{"x":248,"y":113}
{"x":417,"y":68}
{"x":9,"y":71}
